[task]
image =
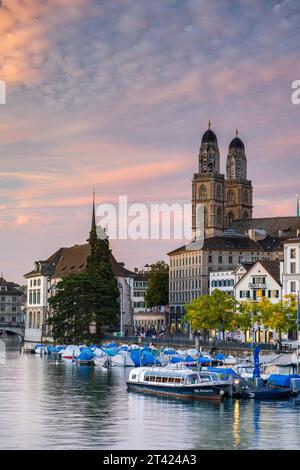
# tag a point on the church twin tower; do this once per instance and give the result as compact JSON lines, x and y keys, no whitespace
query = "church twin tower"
{"x":223,"y":199}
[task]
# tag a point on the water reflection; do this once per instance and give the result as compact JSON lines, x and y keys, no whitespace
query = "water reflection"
{"x":48,"y":405}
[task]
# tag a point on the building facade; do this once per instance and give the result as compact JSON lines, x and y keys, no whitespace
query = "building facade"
{"x":225,"y":234}
{"x":10,"y":302}
{"x":291,"y":267}
{"x":222,"y":280}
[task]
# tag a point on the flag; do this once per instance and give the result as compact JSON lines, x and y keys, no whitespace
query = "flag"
{"x":256,"y":371}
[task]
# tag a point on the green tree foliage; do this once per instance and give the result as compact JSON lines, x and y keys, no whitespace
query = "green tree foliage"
{"x":215,"y":311}
{"x":280,"y":316}
{"x":158,"y":285}
{"x":72,"y":310}
{"x":88,"y":298}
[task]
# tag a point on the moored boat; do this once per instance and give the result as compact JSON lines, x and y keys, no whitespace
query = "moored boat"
{"x":178,"y":383}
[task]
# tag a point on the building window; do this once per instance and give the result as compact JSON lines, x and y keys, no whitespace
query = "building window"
{"x":220,"y":259}
{"x":293,"y":268}
{"x":293,"y":286}
{"x":293,"y":253}
{"x":210,"y":259}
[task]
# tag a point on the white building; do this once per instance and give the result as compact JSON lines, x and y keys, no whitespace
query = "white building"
{"x":139,"y":287}
{"x":291,"y":267}
{"x":42,"y":280}
{"x":261,"y":280}
{"x":223,"y":280}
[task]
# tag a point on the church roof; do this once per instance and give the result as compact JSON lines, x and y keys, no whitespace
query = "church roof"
{"x":281,"y":227}
{"x":72,"y":260}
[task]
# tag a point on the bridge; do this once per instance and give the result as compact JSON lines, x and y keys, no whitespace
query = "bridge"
{"x":13,"y":327}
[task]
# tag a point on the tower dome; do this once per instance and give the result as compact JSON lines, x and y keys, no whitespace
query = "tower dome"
{"x":236,"y":166}
{"x":209,"y":156}
{"x":236,"y":143}
{"x":209,"y":136}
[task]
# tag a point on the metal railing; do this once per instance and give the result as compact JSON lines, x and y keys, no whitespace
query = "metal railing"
{"x":190,"y":343}
{"x":12,"y":324}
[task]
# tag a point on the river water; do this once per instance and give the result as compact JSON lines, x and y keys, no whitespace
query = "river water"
{"x":48,"y":405}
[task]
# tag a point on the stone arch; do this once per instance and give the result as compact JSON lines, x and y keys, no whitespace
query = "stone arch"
{"x":230,"y":218}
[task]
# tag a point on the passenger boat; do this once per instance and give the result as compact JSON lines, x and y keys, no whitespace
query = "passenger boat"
{"x":178,"y":383}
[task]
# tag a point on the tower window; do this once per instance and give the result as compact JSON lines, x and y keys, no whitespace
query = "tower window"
{"x":202,"y":192}
{"x":219,"y":192}
{"x":230,"y":197}
{"x":219,"y":216}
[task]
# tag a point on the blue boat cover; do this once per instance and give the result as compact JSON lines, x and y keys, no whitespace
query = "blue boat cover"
{"x":204,"y":360}
{"x":123,"y":348}
{"x":111,"y":345}
{"x":219,"y":357}
{"x":176,"y":359}
{"x":282,"y":380}
{"x":110,"y":351}
{"x":189,"y":359}
{"x":86,"y":354}
{"x":223,"y":371}
{"x":169,"y":352}
{"x":143,"y":358}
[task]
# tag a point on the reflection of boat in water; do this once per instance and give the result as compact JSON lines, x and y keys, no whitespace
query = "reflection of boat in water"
{"x":178,"y":383}
{"x":268,"y":392}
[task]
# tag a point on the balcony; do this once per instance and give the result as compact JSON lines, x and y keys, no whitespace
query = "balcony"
{"x":257,"y":285}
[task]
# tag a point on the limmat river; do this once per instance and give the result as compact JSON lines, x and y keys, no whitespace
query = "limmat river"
{"x":48,"y":405}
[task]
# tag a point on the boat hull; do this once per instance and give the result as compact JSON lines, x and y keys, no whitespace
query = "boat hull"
{"x":203,"y":392}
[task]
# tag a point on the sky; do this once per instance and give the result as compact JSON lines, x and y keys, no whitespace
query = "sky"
{"x":116,"y":94}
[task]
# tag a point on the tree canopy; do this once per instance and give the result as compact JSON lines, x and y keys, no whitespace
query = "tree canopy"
{"x":158,"y":285}
{"x":87,"y":298}
{"x":215,"y":311}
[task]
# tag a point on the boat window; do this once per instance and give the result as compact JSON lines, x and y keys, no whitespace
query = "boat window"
{"x":158,"y":378}
{"x":192,"y":379}
{"x":171,"y":379}
{"x":133,"y":376}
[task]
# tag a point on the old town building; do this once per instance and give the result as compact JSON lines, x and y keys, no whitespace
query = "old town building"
{"x":224,"y":232}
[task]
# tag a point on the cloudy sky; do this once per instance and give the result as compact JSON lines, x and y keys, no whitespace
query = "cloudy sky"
{"x":117,"y":93}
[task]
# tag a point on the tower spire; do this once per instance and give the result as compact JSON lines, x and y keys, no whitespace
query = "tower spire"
{"x":209,"y":124}
{"x":236,"y":132}
{"x":93,"y":226}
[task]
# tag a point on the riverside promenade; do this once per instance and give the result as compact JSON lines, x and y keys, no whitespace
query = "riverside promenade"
{"x":180,"y":341}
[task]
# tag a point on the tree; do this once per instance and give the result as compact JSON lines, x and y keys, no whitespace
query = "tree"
{"x":87,"y":298}
{"x":246,"y":316}
{"x":158,"y":285}
{"x":215,"y":311}
{"x":280,"y":316}
{"x":72,"y":311}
